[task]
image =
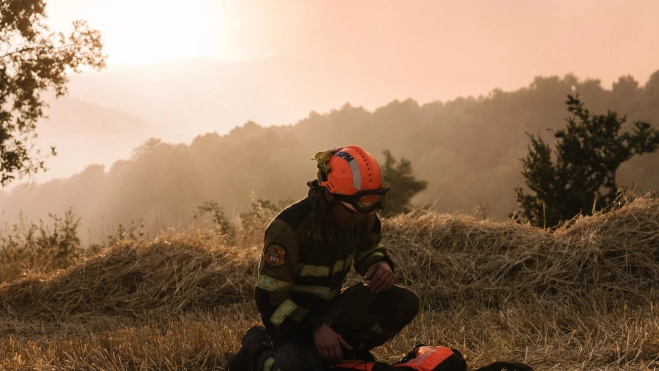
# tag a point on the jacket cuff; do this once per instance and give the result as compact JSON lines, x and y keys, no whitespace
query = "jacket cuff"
{"x":314,"y":321}
{"x":310,"y":322}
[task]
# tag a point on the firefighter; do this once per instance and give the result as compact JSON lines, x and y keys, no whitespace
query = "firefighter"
{"x":310,"y":322}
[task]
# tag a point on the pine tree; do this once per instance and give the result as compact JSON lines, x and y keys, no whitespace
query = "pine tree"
{"x":403,"y":185}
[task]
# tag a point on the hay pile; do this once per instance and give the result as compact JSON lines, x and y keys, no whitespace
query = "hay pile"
{"x":444,"y":258}
{"x":171,"y":274}
{"x":608,"y":256}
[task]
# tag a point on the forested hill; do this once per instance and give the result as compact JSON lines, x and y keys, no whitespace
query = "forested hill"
{"x":467,"y":149}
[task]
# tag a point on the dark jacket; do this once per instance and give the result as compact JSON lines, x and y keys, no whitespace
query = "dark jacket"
{"x":304,"y":263}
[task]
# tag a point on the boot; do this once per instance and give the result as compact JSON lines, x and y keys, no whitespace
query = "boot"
{"x":255,"y":342}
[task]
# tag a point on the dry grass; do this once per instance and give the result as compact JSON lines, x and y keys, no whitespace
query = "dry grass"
{"x":580,"y":297}
{"x":172,"y":274}
{"x":30,"y":248}
{"x":199,"y":341}
{"x":611,"y":256}
{"x":548,"y":336}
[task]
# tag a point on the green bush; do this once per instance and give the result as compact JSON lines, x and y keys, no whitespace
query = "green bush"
{"x":38,"y":248}
{"x":579,"y":176}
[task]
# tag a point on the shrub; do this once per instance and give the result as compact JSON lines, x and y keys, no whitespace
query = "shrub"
{"x":26,"y":246}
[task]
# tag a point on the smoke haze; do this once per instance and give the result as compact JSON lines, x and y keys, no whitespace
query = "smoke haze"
{"x":467,"y":149}
{"x":436,"y":82}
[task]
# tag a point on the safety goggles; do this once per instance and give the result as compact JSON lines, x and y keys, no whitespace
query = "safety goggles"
{"x":365,"y":202}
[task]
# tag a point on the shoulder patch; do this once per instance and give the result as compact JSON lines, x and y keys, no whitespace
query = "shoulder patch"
{"x":274,"y":255}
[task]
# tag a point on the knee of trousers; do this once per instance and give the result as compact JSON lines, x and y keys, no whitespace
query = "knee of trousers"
{"x":297,"y":356}
{"x":406,"y":308}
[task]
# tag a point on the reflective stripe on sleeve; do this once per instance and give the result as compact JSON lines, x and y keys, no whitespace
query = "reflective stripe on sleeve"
{"x":271,"y":284}
{"x":313,"y":270}
{"x":321,"y":291}
{"x":322,"y":271}
{"x":369,"y":253}
{"x":267,"y":366}
{"x":286,"y":308}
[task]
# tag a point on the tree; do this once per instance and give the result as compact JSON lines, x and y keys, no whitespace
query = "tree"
{"x":403,"y":185}
{"x":581,"y":176}
{"x":34,"y":60}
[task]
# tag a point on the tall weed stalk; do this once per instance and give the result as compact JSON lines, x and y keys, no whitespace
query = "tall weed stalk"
{"x":28,"y":247}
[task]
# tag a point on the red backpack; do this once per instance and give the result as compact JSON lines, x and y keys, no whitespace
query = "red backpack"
{"x":428,"y":358}
{"x":421,"y":358}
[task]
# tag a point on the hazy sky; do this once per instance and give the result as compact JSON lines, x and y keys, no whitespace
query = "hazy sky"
{"x":474,"y":46}
{"x":385,"y":50}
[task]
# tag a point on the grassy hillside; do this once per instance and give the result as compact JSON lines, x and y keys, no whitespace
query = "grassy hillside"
{"x":581,"y":297}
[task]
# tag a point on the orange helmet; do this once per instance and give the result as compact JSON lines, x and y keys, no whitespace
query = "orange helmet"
{"x":354,"y":177}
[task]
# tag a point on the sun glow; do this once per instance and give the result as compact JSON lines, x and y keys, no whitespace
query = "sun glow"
{"x":151,"y":31}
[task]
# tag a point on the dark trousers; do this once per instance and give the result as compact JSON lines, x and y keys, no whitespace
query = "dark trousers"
{"x":364,"y":319}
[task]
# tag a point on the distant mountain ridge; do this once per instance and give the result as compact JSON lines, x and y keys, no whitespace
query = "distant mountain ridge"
{"x":85,"y":133}
{"x":467,"y":149}
{"x":211,"y":95}
{"x":215,"y":95}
